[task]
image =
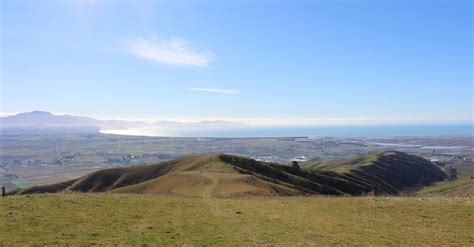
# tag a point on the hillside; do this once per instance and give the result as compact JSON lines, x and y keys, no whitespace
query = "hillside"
{"x":133,"y":220}
{"x":191,"y":176}
{"x":387,"y":173}
{"x":457,"y":188}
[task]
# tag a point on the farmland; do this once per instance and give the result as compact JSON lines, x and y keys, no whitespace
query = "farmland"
{"x":45,"y":159}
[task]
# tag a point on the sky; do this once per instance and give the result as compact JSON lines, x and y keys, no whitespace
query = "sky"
{"x":285,"y":62}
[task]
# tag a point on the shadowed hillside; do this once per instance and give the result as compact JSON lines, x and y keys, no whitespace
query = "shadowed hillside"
{"x":381,"y":173}
{"x":387,"y":173}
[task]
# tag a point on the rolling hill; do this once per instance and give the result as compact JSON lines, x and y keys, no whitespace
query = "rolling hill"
{"x":456,"y":188}
{"x":224,"y":176}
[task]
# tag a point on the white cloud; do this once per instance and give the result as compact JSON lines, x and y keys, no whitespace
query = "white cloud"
{"x":214,"y":90}
{"x":174,"y":52}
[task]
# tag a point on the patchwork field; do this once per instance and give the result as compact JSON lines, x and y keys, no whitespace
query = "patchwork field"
{"x":138,"y":219}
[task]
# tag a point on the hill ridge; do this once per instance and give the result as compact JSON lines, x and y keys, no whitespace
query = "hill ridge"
{"x":385,"y":173}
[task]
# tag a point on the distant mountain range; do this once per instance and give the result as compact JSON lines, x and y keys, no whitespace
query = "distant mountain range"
{"x":42,"y":121}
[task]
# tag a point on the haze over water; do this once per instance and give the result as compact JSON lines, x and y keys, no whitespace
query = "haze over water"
{"x":305,"y":131}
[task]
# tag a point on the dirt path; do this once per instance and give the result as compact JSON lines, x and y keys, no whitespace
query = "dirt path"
{"x":207,"y":193}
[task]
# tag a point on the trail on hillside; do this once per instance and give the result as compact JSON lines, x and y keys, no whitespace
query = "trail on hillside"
{"x":208,"y":192}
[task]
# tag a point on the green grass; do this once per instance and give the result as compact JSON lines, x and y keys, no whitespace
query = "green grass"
{"x":460,"y":187}
{"x":20,"y":183}
{"x":222,"y":166}
{"x":85,"y":219}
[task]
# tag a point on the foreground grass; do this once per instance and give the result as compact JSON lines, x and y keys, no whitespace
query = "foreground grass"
{"x":133,"y":219}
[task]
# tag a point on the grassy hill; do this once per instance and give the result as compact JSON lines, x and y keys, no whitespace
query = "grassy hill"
{"x":109,"y":219}
{"x":217,"y":200}
{"x":456,"y":188}
{"x":386,"y":173}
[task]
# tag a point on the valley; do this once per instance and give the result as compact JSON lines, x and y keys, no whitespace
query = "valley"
{"x":97,"y":189}
{"x":28,"y":159}
{"x":236,"y":123}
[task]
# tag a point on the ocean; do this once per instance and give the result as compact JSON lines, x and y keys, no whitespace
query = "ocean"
{"x":305,"y":131}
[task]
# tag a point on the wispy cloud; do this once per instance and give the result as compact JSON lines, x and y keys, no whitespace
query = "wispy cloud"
{"x":214,"y":90}
{"x":174,"y":52}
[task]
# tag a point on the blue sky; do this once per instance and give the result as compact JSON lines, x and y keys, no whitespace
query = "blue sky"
{"x":287,"y":61}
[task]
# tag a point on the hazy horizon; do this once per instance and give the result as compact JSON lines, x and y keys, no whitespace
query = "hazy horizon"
{"x":361,"y":121}
{"x":303,"y":63}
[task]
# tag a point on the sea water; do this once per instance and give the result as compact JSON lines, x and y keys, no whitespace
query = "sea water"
{"x":305,"y":131}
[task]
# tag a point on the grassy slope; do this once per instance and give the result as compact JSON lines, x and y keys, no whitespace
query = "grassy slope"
{"x":342,"y":165}
{"x":137,"y":219}
{"x":187,"y":176}
{"x":386,"y":173}
{"x":460,"y":187}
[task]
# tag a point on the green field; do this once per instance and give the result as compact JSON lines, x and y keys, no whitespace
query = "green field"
{"x":136,"y":219}
{"x":20,"y":183}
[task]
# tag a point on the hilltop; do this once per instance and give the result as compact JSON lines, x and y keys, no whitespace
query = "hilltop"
{"x":224,"y":176}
